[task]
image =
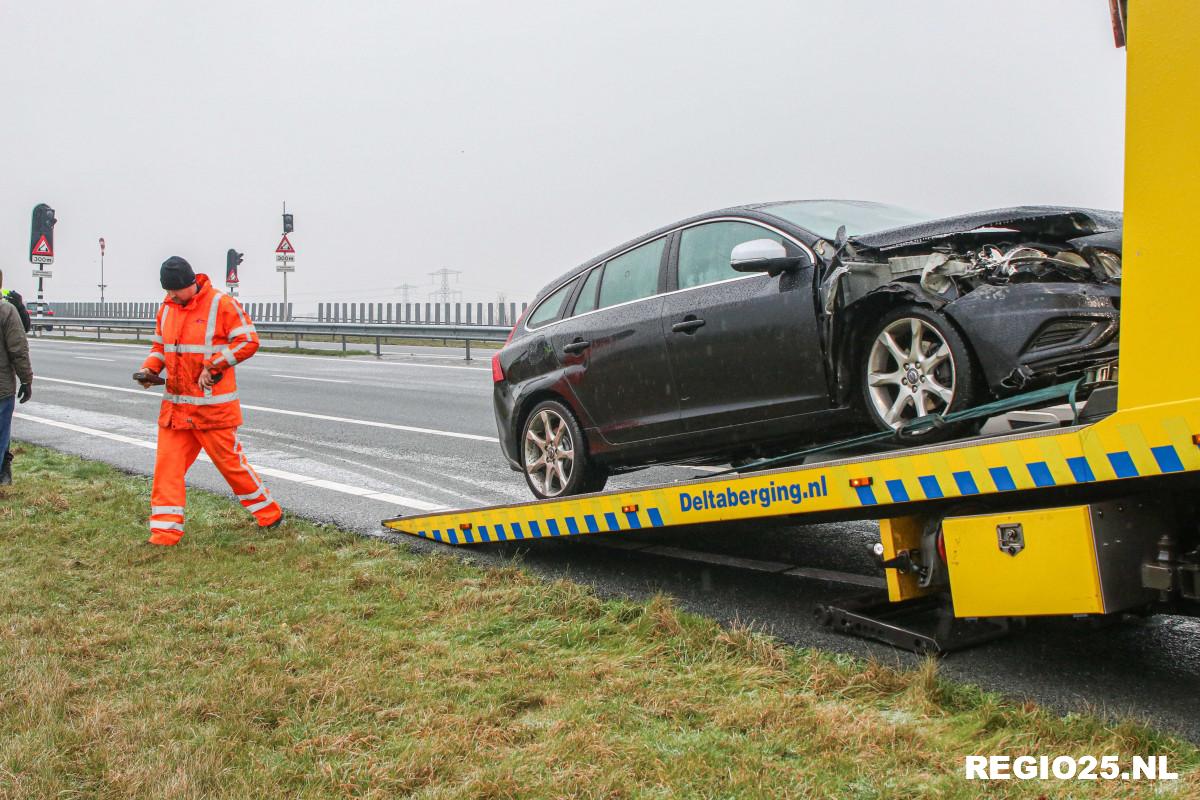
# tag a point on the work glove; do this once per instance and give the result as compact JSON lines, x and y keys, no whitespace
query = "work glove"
{"x":25,"y":392}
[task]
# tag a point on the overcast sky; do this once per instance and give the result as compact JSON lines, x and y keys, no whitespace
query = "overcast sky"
{"x":514,"y":140}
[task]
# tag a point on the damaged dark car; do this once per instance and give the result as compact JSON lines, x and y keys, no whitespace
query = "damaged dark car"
{"x":755,"y":330}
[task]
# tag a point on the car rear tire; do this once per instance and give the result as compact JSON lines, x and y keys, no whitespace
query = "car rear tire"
{"x":554,"y":456}
{"x":915,"y":364}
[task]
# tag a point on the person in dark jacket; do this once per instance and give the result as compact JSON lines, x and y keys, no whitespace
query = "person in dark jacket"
{"x":14,"y":298}
{"x":14,"y":367}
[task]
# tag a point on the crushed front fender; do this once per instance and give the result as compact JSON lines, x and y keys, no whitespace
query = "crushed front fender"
{"x":1038,"y":330}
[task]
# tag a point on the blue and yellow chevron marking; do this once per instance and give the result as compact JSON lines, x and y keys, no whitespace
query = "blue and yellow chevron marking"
{"x":1138,"y":443}
{"x":540,"y":527}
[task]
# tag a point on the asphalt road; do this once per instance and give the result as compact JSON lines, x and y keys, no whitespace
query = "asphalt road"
{"x":350,"y":441}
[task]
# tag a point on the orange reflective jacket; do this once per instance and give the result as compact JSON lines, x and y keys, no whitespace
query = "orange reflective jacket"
{"x":210,"y":330}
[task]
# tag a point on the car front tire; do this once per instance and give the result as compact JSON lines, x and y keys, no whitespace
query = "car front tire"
{"x":916,"y":364}
{"x":554,"y":457}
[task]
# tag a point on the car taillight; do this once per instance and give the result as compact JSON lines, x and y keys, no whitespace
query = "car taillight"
{"x":497,"y":370}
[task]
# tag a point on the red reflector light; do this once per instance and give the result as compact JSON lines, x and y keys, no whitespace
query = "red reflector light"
{"x":497,"y":370}
{"x":629,"y":509}
{"x":1196,"y":439}
{"x":465,"y":526}
{"x":857,"y":482}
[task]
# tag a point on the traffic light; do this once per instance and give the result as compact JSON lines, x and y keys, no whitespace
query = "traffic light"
{"x":41,"y":234}
{"x":287,"y":223}
{"x":233,"y":260}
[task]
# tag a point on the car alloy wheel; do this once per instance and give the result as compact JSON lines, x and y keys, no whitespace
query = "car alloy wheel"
{"x":549,"y":453}
{"x":910,"y":372}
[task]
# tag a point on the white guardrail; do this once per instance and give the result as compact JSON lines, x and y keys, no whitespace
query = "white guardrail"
{"x":299,"y":330}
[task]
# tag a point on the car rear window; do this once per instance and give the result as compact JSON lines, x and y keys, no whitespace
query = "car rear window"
{"x":633,"y":275}
{"x":550,"y":308}
{"x":587,"y":295}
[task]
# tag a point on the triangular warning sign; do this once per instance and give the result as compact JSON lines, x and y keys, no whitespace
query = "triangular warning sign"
{"x":285,"y":246}
{"x":42,"y":248}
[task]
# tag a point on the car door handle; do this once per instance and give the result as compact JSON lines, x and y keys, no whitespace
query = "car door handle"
{"x":689,"y":325}
{"x":577,"y":346}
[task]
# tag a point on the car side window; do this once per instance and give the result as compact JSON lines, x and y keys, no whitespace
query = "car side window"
{"x":704,"y":250}
{"x":587,"y":295}
{"x":633,"y":275}
{"x":550,"y":308}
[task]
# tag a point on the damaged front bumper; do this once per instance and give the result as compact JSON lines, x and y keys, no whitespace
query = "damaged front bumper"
{"x":1031,"y":334}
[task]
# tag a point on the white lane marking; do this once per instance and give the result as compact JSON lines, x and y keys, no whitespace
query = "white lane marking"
{"x":387,"y":363}
{"x":115,"y":437}
{"x":333,"y":450}
{"x":391,"y":498}
{"x":90,"y":358}
{"x":448,"y":358}
{"x":283,"y":475}
{"x":372,"y":424}
{"x":326,"y":359}
{"x":305,"y":378}
{"x":94,"y":385}
{"x":369,"y":423}
{"x":70,"y":342}
{"x":695,"y":467}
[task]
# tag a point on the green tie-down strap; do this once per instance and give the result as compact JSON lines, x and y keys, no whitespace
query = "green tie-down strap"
{"x":914,"y":427}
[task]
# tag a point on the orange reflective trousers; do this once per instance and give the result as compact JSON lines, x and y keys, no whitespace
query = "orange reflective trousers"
{"x":177,"y":450}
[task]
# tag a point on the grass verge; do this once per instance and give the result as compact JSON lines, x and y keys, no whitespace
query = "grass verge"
{"x":313,"y":663}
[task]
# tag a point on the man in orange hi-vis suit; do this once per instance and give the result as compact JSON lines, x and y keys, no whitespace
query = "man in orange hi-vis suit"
{"x":201,"y":333}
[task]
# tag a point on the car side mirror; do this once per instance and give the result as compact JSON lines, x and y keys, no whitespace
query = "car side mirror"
{"x":763,"y":255}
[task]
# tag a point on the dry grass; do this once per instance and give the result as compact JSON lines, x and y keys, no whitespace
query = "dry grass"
{"x":311,"y":663}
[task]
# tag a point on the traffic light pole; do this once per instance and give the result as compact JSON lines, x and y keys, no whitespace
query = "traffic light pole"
{"x":233,"y":260}
{"x":41,"y":252}
{"x":37,"y":329}
{"x":287,"y":228}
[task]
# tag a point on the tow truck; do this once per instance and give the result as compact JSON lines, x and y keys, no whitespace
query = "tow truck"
{"x":1096,"y":517}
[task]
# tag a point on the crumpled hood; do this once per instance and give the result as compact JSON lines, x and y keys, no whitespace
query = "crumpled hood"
{"x":1057,"y":221}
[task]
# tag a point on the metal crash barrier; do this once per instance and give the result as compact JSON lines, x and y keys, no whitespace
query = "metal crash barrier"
{"x":299,"y":330}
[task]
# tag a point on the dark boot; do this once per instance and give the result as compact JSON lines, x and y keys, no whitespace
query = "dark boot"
{"x":6,"y":470}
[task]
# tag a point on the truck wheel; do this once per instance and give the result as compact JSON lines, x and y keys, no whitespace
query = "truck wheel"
{"x":916,"y":364}
{"x":554,"y":454}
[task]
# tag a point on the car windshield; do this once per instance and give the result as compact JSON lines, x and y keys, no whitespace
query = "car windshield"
{"x":824,"y":217}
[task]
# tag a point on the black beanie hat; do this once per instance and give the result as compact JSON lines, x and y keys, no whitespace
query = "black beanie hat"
{"x":176,"y":273}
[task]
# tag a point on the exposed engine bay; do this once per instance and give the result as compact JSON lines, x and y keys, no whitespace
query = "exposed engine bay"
{"x":977,"y":269}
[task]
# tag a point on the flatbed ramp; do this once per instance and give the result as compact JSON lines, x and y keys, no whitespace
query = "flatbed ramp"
{"x":997,"y":472}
